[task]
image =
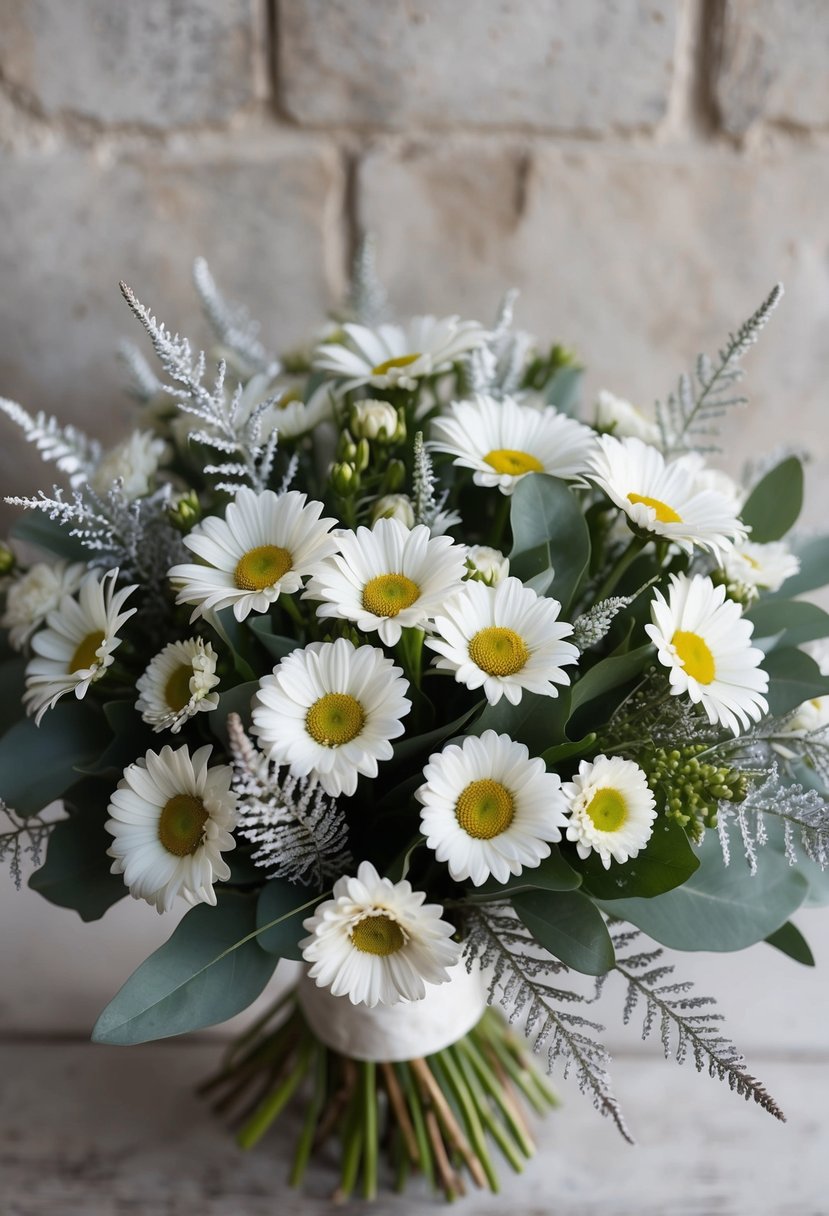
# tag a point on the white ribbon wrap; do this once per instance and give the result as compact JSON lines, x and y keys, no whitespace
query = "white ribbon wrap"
{"x":405,"y":1031}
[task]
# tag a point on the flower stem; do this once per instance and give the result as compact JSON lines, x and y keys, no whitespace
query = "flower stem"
{"x":625,"y":560}
{"x":370,"y":1149}
{"x":306,"y":1139}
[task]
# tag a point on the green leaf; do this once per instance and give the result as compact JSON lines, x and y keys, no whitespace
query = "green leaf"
{"x":76,"y":871}
{"x":791,"y":941}
{"x":234,"y":637}
{"x":12,"y":686}
{"x":535,"y":721}
{"x":813,"y":553}
{"x":553,"y":874}
{"x":794,"y":677}
{"x":569,"y":751}
{"x":666,"y":862}
{"x":608,"y":674}
{"x":790,"y":622}
{"x":39,"y":763}
{"x":130,"y":739}
{"x":570,"y":927}
{"x":191,"y":982}
{"x":36,"y":528}
{"x":236,"y":700}
{"x":564,"y":389}
{"x":549,"y":529}
{"x":411,"y":746}
{"x":276,"y":645}
{"x":280,"y":898}
{"x":775,"y":502}
{"x":719,"y":908}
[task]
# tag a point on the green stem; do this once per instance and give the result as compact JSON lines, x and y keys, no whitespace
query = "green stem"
{"x":522,"y":1077}
{"x":410,"y":650}
{"x":276,"y":1101}
{"x":369,"y":1079}
{"x":424,"y":1148}
{"x":514,"y":1154}
{"x":470,"y":1115}
{"x":626,"y":559}
{"x":352,"y":1147}
{"x":306,"y":1139}
{"x":471,"y":1055}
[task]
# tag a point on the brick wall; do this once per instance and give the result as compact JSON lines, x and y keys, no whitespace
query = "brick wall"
{"x":642,"y":171}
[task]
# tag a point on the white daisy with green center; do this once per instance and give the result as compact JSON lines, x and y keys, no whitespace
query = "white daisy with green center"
{"x":704,"y":641}
{"x":33,"y":595}
{"x":750,"y":568}
{"x":177,"y":684}
{"x":377,"y":942}
{"x":504,"y":639}
{"x":171,"y":819}
{"x":330,"y":711}
{"x":388,"y":578}
{"x":488,"y":809}
{"x":503,"y":441}
{"x":612,"y":809}
{"x":664,"y":500}
{"x":263,"y":548}
{"x":76,"y":647}
{"x":398,"y":356}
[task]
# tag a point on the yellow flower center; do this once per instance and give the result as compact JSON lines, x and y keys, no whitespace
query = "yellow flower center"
{"x":695,"y":656}
{"x":335,"y":719}
{"x":177,"y":688}
{"x":508,"y":460}
{"x":288,"y":398}
{"x":86,"y":654}
{"x":485,"y":809}
{"x":398,"y":361}
{"x":378,"y":934}
{"x":262,"y":567}
{"x":664,"y":513}
{"x":607,"y":809}
{"x":498,"y":651}
{"x":389,"y":594}
{"x":181,"y":825}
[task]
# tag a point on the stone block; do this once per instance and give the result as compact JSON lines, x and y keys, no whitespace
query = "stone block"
{"x":562,"y":65}
{"x":161,"y":63}
{"x":773,"y":64}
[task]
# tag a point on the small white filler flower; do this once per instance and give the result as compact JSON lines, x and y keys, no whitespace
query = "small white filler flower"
{"x":330,"y":710}
{"x":388,"y":578}
{"x":612,"y":809}
{"x":171,"y":819}
{"x":77,"y":646}
{"x":178,"y":683}
{"x":32,"y":596}
{"x":488,"y":809}
{"x":503,"y":441}
{"x":702,"y":638}
{"x":263,"y":548}
{"x":377,"y":942}
{"x":504,"y":639}
{"x":393,"y":356}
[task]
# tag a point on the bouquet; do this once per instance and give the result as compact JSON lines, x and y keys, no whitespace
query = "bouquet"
{"x":385,"y":662}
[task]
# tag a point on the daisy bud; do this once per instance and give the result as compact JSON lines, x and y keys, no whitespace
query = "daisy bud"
{"x":394,"y":506}
{"x":372,"y":419}
{"x":185,"y":511}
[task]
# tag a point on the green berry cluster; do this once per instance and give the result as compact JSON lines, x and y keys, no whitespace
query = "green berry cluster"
{"x":688,"y":789}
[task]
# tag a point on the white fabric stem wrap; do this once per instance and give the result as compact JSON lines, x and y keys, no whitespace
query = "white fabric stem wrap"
{"x":405,"y":1031}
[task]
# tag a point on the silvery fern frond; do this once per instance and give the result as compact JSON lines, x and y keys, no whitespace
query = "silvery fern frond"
{"x":803,"y":813}
{"x":688,"y":419}
{"x":299,"y":831}
{"x":497,"y":366}
{"x":26,"y":837}
{"x":142,"y":382}
{"x":69,"y":448}
{"x":686,"y":1025}
{"x":233,"y":326}
{"x":520,"y":982}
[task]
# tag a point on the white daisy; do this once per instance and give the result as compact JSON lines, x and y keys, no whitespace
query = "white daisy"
{"x":394,"y":506}
{"x":813,"y":714}
{"x":33,"y":595}
{"x":709,"y":478}
{"x":388,"y":578}
{"x":331,"y":710}
{"x":263,"y":548}
{"x":750,"y":568}
{"x":291,"y":416}
{"x":171,"y":818}
{"x":486,"y":565}
{"x":488,"y":809}
{"x":134,"y":461}
{"x":504,"y":639}
{"x":396,"y":356}
{"x":177,"y":684}
{"x":612,"y":809}
{"x":704,"y":641}
{"x":377,"y":942}
{"x":664,"y":500}
{"x":502,"y":441}
{"x":619,"y":417}
{"x":76,"y":647}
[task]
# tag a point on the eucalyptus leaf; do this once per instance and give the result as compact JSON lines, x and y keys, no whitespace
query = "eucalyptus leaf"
{"x":234,"y":637}
{"x":569,"y":926}
{"x":794,"y":677}
{"x":76,"y":871}
{"x":280,"y":898}
{"x":12,"y":686}
{"x":549,"y":529}
{"x":791,"y":941}
{"x":191,"y":982}
{"x":130,"y":739}
{"x":774,"y":504}
{"x":569,"y":751}
{"x":608,"y":674}
{"x":411,"y":746}
{"x":666,"y":862}
{"x":535,"y":721}
{"x":36,"y":528}
{"x":790,"y":622}
{"x":236,"y":700}
{"x":39,"y":763}
{"x":553,"y":874}
{"x":276,"y":645}
{"x":813,"y":554}
{"x":564,"y":389}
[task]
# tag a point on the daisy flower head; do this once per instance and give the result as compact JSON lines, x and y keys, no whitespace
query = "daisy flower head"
{"x":177,"y":684}
{"x":330,"y":710}
{"x":388,"y":578}
{"x":76,"y":647}
{"x":33,"y":595}
{"x":397,"y":356}
{"x":813,"y":714}
{"x":291,"y":416}
{"x":488,"y":809}
{"x":503,"y":440}
{"x":619,"y":417}
{"x":664,"y":500}
{"x":171,"y":819}
{"x":134,"y":462}
{"x":504,"y":639}
{"x":750,"y":568}
{"x":704,"y":641}
{"x":612,"y":809}
{"x":262,"y":548}
{"x":377,"y":942}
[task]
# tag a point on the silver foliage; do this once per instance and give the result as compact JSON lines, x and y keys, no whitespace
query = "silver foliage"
{"x":427,"y":503}
{"x":686,"y":1026}
{"x":233,"y":326}
{"x":592,"y":626}
{"x":25,"y":838}
{"x":804,"y":814}
{"x":497,"y":366}
{"x":300,"y":833}
{"x":69,"y":448}
{"x":521,"y":982}
{"x":142,"y":382}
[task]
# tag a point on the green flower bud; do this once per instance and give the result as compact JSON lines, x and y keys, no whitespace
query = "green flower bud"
{"x":7,"y":559}
{"x":345,"y":479}
{"x":395,"y":478}
{"x":185,"y":511}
